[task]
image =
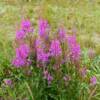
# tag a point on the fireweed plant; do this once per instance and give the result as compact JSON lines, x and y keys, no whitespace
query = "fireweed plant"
{"x":51,"y":64}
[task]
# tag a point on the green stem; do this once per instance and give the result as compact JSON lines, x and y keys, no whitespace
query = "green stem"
{"x":29,"y":89}
{"x":92,"y":92}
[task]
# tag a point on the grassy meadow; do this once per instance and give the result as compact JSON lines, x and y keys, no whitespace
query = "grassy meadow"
{"x":80,"y":16}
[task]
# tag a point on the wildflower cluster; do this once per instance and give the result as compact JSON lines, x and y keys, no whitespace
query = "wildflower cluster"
{"x":74,"y":47}
{"x":22,"y":53}
{"x":25,"y":28}
{"x":53,"y":55}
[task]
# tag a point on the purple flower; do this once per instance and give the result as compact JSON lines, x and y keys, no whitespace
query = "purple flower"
{"x":55,"y":48}
{"x":18,"y":62}
{"x":8,"y":82}
{"x":43,"y":26}
{"x":41,"y":55}
{"x":62,"y":34}
{"x":26,"y":25}
{"x":66,"y":78}
{"x":75,"y":52}
{"x":38,"y":43}
{"x":22,"y":51}
{"x":74,"y":47}
{"x":93,"y":80}
{"x":71,"y":41}
{"x":40,"y":51}
{"x":21,"y":56}
{"x":25,"y":28}
{"x":49,"y":79}
{"x":20,"y":34}
{"x":47,"y":76}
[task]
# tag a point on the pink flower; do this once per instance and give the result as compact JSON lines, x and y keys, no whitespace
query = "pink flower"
{"x":18,"y":62}
{"x":74,"y":47}
{"x":22,"y":51}
{"x":93,"y":80}
{"x":55,"y":48}
{"x":25,"y":28}
{"x":43,"y":26}
{"x":75,"y":52}
{"x":62,"y":34}
{"x":66,"y":78}
{"x":21,"y":56}
{"x":41,"y":55}
{"x":48,"y":77}
{"x":20,"y":34}
{"x":71,"y":39}
{"x":38,"y":43}
{"x":45,"y":74}
{"x":26,"y":25}
{"x":8,"y":82}
{"x":40,"y":51}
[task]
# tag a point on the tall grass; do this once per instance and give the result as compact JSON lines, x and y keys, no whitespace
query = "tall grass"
{"x":80,"y":16}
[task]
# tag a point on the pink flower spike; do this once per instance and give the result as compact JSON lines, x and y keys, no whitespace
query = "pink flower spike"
{"x":20,"y":34}
{"x":74,"y":47}
{"x":55,"y":48}
{"x":43,"y":26}
{"x":41,"y":55}
{"x":26,"y":26}
{"x":8,"y":82}
{"x":18,"y":62}
{"x":93,"y":80}
{"x":75,"y":52}
{"x":49,"y":79}
{"x":71,"y":41}
{"x":45,"y":74}
{"x":62,"y":34}
{"x":22,"y":51}
{"x":66,"y":78}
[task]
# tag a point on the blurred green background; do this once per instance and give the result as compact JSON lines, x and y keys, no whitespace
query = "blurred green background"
{"x":80,"y":15}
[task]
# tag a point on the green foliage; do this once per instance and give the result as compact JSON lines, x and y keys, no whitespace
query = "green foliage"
{"x":95,"y":69}
{"x":84,"y":15}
